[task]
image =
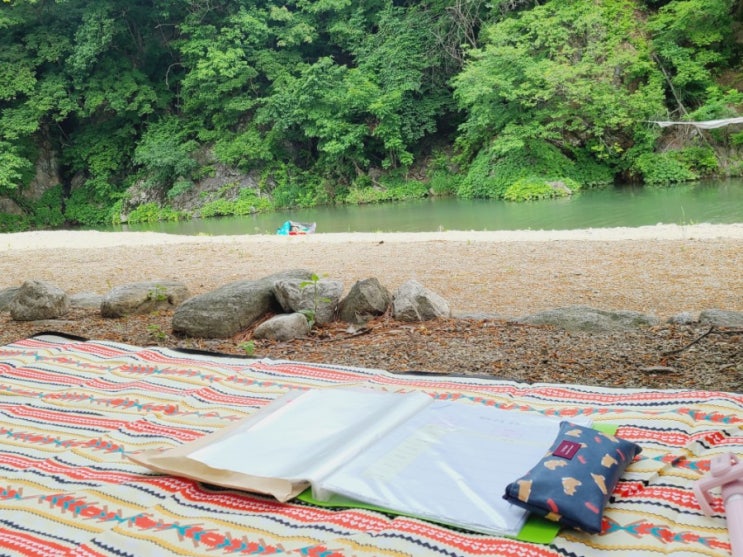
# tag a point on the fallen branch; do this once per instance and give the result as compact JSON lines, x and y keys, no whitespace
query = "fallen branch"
{"x":692,"y":343}
{"x":711,"y":330}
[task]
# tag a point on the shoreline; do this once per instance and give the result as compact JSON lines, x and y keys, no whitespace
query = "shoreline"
{"x":87,"y":239}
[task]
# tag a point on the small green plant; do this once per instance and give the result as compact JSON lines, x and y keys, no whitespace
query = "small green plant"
{"x":156,"y":332}
{"x":248,"y":347}
{"x":310,"y":313}
{"x":157,"y":294}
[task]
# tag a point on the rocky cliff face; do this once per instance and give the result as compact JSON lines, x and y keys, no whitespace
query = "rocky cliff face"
{"x":46,"y":175}
{"x":221,"y":183}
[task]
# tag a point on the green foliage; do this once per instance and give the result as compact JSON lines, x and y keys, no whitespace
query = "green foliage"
{"x":677,"y":166}
{"x":14,"y":168}
{"x":158,"y":294}
{"x":590,"y":172}
{"x":245,"y":150}
{"x":313,"y":283}
{"x":156,"y":332}
{"x":409,"y":99}
{"x":400,"y":189}
{"x":47,"y":211}
{"x":248,"y":347}
{"x":663,"y":168}
{"x":147,"y":212}
{"x":719,"y":104}
{"x":291,"y":187}
{"x":152,"y":212}
{"x":180,"y":187}
{"x":88,"y":95}
{"x":525,"y":173}
{"x":247,"y":203}
{"x":114,"y":213}
{"x":314,"y":96}
{"x":13,"y":223}
{"x":87,"y":205}
{"x":443,"y":183}
{"x":692,"y":39}
{"x":574,"y":74}
{"x":532,"y":187}
{"x":701,"y":160}
{"x":165,"y":153}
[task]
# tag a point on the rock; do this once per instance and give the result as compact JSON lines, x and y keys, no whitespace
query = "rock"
{"x":231,"y":308}
{"x":721,"y":318}
{"x":143,"y":297}
{"x":317,"y":298}
{"x":6,"y":296}
{"x":683,"y":318}
{"x":86,"y":300}
{"x":582,"y":318}
{"x":283,"y":327}
{"x":36,"y":300}
{"x":366,"y":299}
{"x":413,"y":302}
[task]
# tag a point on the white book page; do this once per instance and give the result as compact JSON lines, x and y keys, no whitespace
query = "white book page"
{"x":311,"y":434}
{"x":450,"y":463}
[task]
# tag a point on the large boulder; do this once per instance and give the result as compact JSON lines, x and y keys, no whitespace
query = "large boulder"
{"x":36,"y":300}
{"x":683,"y":318}
{"x":6,"y":296}
{"x":413,"y":302}
{"x":721,"y":318}
{"x":583,"y":318}
{"x":143,"y":297}
{"x":283,"y":327}
{"x":317,"y":298}
{"x":366,"y":299}
{"x":232,"y":308}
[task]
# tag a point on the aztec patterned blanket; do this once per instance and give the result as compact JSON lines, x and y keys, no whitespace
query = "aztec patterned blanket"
{"x":71,"y":411}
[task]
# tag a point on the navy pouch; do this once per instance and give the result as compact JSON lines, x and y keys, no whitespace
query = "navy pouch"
{"x":573,"y":482}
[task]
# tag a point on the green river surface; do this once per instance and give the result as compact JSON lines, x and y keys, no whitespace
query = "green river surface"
{"x":715,"y":202}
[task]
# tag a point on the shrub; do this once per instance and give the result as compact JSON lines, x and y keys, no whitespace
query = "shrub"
{"x":527,"y":189}
{"x":181,"y":186}
{"x":47,"y":211}
{"x":152,"y":212}
{"x":13,"y":223}
{"x":443,"y":183}
{"x":88,"y":205}
{"x":701,"y":160}
{"x":663,"y":168}
{"x":493,"y":176}
{"x":396,"y":189}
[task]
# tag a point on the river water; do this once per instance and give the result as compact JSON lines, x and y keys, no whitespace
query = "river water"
{"x":718,"y":202}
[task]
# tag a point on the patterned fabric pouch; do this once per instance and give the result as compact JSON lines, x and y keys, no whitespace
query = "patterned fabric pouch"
{"x":573,"y":482}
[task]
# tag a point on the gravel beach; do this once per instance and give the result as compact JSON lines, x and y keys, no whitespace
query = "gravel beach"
{"x":488,"y":278}
{"x":662,"y":269}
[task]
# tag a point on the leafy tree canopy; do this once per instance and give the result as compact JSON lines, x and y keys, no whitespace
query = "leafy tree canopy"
{"x":316,"y":97}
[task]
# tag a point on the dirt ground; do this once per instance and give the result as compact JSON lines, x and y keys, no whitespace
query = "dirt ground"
{"x":486,"y":278}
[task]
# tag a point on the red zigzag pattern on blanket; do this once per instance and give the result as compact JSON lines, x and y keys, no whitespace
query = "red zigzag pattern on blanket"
{"x":71,"y":411}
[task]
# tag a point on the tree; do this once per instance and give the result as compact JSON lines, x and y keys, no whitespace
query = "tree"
{"x":692,"y":41}
{"x":573,"y":75}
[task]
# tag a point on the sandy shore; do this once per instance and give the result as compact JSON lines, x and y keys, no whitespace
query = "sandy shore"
{"x":662,"y":269}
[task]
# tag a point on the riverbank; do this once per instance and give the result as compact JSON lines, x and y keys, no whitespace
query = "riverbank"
{"x":94,"y":239}
{"x":661,"y":270}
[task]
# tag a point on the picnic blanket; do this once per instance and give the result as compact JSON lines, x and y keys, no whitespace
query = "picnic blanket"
{"x":71,"y":411}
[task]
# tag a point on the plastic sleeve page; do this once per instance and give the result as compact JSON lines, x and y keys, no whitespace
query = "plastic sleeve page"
{"x":450,"y":463}
{"x":311,"y":434}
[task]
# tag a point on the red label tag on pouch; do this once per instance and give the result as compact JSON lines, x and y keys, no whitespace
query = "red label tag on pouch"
{"x":567,"y":449}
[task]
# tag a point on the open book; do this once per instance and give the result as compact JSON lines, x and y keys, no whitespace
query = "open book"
{"x":445,"y":461}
